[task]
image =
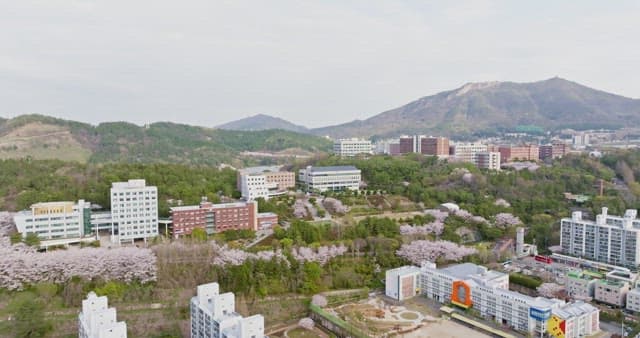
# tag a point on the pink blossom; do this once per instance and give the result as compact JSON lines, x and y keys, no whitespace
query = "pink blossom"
{"x":319,"y":300}
{"x":322,"y":255}
{"x":505,"y":219}
{"x":549,"y":290}
{"x":418,"y":251}
{"x":306,"y":323}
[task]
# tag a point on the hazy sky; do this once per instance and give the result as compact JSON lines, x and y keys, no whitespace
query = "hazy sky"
{"x":311,"y":62}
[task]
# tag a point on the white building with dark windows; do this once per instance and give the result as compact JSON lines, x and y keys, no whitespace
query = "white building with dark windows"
{"x":57,"y":223}
{"x":488,"y":160}
{"x":264,"y":182}
{"x":329,"y":178}
{"x":608,"y":239}
{"x":471,"y":286}
{"x":98,"y":320}
{"x":351,"y":147}
{"x":213,"y":316}
{"x":134,"y":210}
{"x":467,"y":152}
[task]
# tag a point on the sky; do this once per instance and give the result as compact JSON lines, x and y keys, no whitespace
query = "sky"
{"x":314,"y":63}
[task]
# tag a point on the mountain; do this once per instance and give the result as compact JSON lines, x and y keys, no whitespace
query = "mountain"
{"x":44,"y":137}
{"x":477,"y":108}
{"x":262,"y":122}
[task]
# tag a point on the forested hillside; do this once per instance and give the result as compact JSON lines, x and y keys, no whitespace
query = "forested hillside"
{"x":43,"y":137}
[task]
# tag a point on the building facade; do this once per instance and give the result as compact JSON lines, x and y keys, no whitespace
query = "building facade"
{"x":134,"y":210}
{"x":98,"y":320}
{"x":467,"y":152}
{"x":551,"y":151}
{"x":608,"y":239}
{"x":352,"y":147}
{"x":611,"y":292}
{"x":402,"y":283}
{"x":519,"y":153}
{"x":213,"y":315}
{"x":633,"y":299}
{"x":264,"y":182}
{"x":581,"y":285}
{"x":488,"y":160}
{"x":410,"y":144}
{"x":330,"y":178}
{"x":471,"y":286}
{"x":59,"y":222}
{"x":215,"y":218}
{"x":436,"y":146}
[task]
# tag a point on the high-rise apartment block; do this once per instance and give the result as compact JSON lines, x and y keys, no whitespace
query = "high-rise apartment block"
{"x":330,"y":178}
{"x":57,"y":223}
{"x":264,"y":182}
{"x":215,"y":218}
{"x":608,"y":239}
{"x":519,"y":153}
{"x":351,"y":147}
{"x":98,"y":320}
{"x":213,"y":316}
{"x":134,"y":210}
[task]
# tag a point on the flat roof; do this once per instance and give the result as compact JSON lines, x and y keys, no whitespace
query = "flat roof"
{"x":333,"y":168}
{"x":260,"y":169}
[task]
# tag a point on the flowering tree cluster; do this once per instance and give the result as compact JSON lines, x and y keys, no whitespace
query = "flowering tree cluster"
{"x":439,"y":215}
{"x":299,"y":209}
{"x":6,"y":223}
{"x":319,"y":300}
{"x":467,"y":177}
{"x":549,"y":290}
{"x":21,"y":265}
{"x":418,"y":251}
{"x":436,"y":227}
{"x":505,"y":219}
{"x":321,"y":255}
{"x":223,"y":255}
{"x":466,"y":215}
{"x":335,"y":206}
{"x":306,"y":323}
{"x":502,"y":203}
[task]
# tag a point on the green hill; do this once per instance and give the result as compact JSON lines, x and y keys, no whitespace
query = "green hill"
{"x":44,"y":137}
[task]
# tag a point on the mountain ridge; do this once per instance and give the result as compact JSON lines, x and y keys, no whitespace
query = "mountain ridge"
{"x":477,"y":107}
{"x":262,"y":122}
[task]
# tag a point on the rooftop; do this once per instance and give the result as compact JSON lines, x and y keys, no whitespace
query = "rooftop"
{"x":577,"y":308}
{"x":332,"y":168}
{"x":258,"y":170}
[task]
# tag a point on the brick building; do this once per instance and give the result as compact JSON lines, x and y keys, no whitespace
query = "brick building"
{"x":437,"y":146}
{"x":519,"y":153}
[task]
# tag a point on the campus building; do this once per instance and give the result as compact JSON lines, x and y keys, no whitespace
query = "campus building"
{"x":213,"y":315}
{"x":468,"y":285}
{"x":582,"y":284}
{"x":436,"y":146}
{"x":410,"y":144}
{"x":402,"y":283}
{"x":608,"y":239}
{"x":329,"y":178}
{"x":551,"y":151}
{"x":134,"y":210}
{"x":215,"y":218}
{"x":488,"y":160}
{"x":633,"y":299}
{"x":98,"y":320}
{"x":57,"y":223}
{"x":264,"y":182}
{"x":467,"y":152}
{"x":351,"y":147}
{"x":519,"y":153}
{"x":612,"y":292}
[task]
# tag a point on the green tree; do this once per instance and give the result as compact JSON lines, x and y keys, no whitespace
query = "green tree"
{"x":199,"y":234}
{"x":32,"y":240}
{"x":29,"y":320}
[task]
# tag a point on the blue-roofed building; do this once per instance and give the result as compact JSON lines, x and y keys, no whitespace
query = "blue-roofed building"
{"x":334,"y":178}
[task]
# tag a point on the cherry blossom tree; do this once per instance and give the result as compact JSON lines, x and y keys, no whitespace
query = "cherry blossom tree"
{"x":321,"y":255}
{"x":549,"y":290}
{"x":418,"y":251}
{"x":306,"y":323}
{"x":502,"y":203}
{"x":319,"y":300}
{"x":505,"y":219}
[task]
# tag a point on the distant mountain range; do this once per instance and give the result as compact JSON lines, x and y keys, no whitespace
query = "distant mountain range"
{"x":263,"y":122}
{"x":44,"y":137}
{"x":489,"y":107}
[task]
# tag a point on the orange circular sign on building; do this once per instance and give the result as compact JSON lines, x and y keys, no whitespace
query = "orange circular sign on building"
{"x":461,"y":294}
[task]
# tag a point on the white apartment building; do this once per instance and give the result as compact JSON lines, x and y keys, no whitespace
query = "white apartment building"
{"x":330,"y":178}
{"x":467,"y":152}
{"x":608,"y":239}
{"x":213,"y":316}
{"x":56,"y":222}
{"x":468,"y":285}
{"x":134,"y":210}
{"x":488,"y":160}
{"x":264,"y":182}
{"x":98,"y":320}
{"x":402,"y":283}
{"x":352,"y":147}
